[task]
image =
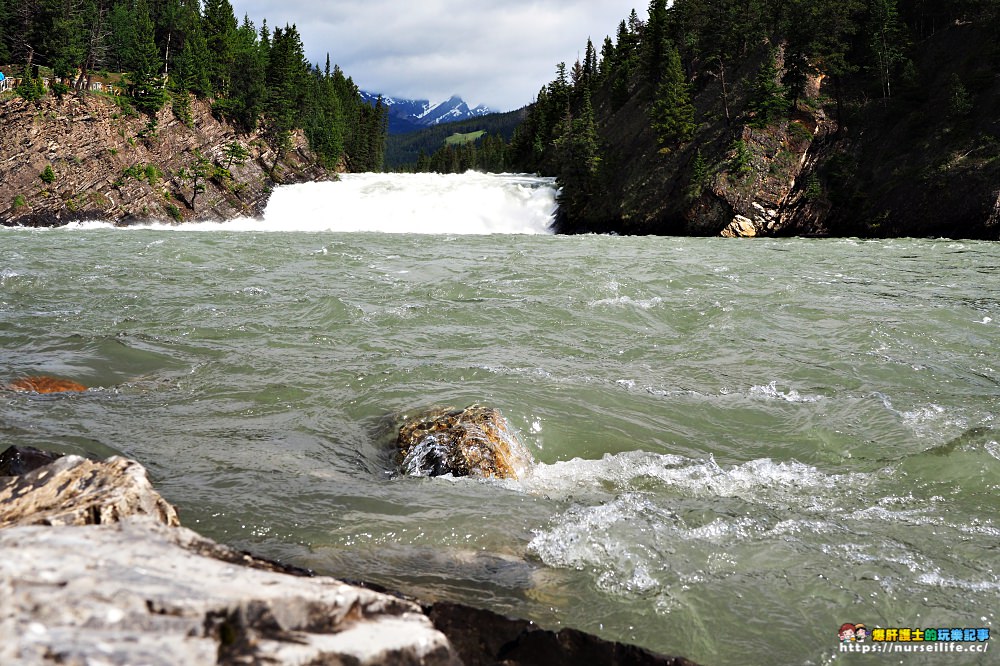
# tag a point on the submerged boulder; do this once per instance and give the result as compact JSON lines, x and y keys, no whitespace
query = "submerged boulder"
{"x":17,"y":460}
{"x":45,"y":384}
{"x":475,"y":441}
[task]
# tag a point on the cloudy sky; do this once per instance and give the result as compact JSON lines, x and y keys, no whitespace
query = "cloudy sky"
{"x":488,"y":52}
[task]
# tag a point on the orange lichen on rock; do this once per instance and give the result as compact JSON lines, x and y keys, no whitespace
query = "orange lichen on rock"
{"x":45,"y":384}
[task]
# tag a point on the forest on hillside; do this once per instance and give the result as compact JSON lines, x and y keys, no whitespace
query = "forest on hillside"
{"x":426,"y":149}
{"x":170,"y":51}
{"x":698,"y":74}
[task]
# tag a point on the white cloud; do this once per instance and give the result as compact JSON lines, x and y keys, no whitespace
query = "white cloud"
{"x":491,"y":53}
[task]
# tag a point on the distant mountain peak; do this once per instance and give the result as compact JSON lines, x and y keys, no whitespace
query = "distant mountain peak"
{"x":409,"y":115}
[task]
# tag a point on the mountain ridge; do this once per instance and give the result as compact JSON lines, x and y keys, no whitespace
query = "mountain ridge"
{"x":410,"y":115}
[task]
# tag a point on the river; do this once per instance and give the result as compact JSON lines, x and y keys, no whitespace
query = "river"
{"x":742,"y":445}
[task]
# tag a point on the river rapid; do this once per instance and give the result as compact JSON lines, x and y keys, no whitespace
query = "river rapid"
{"x":742,"y":445}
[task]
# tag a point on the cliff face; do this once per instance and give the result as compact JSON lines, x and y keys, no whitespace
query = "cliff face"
{"x":87,"y":158}
{"x":923,"y":163}
{"x":910,"y":165}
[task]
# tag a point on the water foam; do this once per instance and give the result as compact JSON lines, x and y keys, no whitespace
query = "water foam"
{"x":622,"y":526}
{"x":454,"y":204}
{"x":772,"y":392}
{"x":762,"y":482}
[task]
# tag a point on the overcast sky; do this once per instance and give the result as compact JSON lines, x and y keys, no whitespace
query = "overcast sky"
{"x":488,"y":52}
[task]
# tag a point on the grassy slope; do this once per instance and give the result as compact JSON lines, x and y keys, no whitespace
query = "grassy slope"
{"x":462,"y":139}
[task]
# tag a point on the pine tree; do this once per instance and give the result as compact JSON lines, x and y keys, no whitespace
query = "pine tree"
{"x":578,"y":154}
{"x":886,"y":41}
{"x":655,"y":42}
{"x":189,"y":72}
{"x":96,"y":31}
{"x":672,"y":113}
{"x":247,"y":80}
{"x":768,"y":101}
{"x":324,"y":124}
{"x":285,"y":86}
{"x":607,"y":57}
{"x":198,"y":171}
{"x":145,"y":83}
{"x":5,"y":19}
{"x":220,"y":35}
{"x":26,"y":30}
{"x":119,"y":38}
{"x":590,"y":65}
{"x":625,"y":64}
{"x":959,"y":101}
{"x":62,"y":37}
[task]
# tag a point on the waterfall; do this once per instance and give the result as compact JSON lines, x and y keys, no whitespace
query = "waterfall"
{"x":424,"y":203}
{"x":469,"y":203}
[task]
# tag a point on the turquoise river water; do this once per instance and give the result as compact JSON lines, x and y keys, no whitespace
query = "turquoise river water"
{"x":742,"y":445}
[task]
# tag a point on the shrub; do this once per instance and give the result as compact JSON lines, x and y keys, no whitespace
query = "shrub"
{"x":125,"y":105}
{"x":741,"y":157}
{"x":59,"y":89}
{"x":134,"y":171}
{"x":19,"y":202}
{"x":814,"y":190}
{"x":151,"y":131}
{"x":799,"y":132}
{"x":174,"y":212}
{"x":30,"y":89}
{"x":152,"y":174}
{"x":48,"y":176}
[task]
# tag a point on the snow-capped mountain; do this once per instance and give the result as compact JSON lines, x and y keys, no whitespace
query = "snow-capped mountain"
{"x":409,"y":115}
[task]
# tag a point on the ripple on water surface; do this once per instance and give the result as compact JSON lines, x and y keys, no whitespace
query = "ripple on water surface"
{"x":743,"y":445}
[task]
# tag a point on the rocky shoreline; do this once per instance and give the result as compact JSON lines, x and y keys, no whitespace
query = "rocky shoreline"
{"x":105,"y":574}
{"x":90,"y":157}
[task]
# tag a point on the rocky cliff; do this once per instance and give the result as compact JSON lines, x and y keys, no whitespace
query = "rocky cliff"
{"x":91,"y":157}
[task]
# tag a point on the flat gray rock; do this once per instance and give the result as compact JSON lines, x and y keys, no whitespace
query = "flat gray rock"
{"x":139,"y":592}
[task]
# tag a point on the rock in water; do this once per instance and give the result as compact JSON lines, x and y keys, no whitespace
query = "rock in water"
{"x":76,"y":491}
{"x":475,"y":441}
{"x":45,"y":384}
{"x":138,"y":592}
{"x":119,"y":582}
{"x":17,"y":460}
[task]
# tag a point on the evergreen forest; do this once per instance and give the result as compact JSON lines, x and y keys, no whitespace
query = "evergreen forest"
{"x":676,"y":95}
{"x":430,"y":149}
{"x":166,"y":52}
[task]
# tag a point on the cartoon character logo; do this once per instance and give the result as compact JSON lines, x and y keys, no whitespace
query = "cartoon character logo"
{"x":860,"y":633}
{"x":846,"y":632}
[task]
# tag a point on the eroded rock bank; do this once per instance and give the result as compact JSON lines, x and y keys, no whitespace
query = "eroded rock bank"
{"x":90,"y":157}
{"x":104,"y":574}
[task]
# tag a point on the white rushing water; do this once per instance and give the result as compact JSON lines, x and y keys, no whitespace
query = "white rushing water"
{"x":423,"y":203}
